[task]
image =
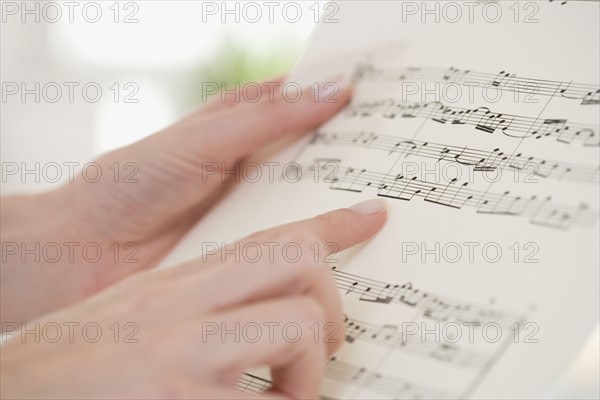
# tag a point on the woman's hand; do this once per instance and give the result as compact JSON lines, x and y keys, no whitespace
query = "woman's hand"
{"x":190,"y":331}
{"x":134,"y":222}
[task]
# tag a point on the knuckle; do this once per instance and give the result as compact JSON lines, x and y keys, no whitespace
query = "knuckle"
{"x":326,"y":219}
{"x":327,"y":226}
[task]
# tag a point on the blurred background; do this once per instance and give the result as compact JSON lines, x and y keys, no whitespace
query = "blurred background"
{"x":150,"y":60}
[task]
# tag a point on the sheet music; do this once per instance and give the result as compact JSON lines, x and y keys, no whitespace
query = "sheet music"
{"x":484,"y":139}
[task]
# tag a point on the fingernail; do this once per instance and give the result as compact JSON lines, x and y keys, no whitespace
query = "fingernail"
{"x":372,"y":206}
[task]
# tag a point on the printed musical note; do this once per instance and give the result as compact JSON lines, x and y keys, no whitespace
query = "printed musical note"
{"x":374,"y":381}
{"x":587,"y":94}
{"x":391,"y":336}
{"x":355,"y":375}
{"x":480,"y":160}
{"x":561,"y":133}
{"x":435,"y":307}
{"x":482,"y":119}
{"x":541,"y":212}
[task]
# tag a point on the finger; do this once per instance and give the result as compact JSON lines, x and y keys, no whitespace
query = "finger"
{"x":235,"y":284}
{"x":276,"y":333}
{"x":276,"y":277}
{"x":241,"y":95}
{"x":335,"y":231}
{"x":342,"y":228}
{"x":272,"y":275}
{"x":187,"y":159}
{"x":231,"y":134}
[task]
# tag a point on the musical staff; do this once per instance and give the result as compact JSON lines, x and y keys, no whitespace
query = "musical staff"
{"x":249,"y":383}
{"x":479,"y":160}
{"x":587,"y":94}
{"x":481,"y":118}
{"x":540,"y":211}
{"x":345,"y":372}
{"x":391,"y":336}
{"x":374,"y":381}
{"x":563,"y":2}
{"x":434,"y":307}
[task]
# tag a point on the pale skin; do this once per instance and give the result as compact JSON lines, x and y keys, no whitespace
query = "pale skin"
{"x":171,"y":308}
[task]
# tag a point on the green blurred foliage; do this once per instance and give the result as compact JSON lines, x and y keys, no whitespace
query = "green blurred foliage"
{"x":235,"y":63}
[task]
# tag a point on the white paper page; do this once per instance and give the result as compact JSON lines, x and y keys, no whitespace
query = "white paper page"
{"x":512,"y":242}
